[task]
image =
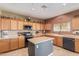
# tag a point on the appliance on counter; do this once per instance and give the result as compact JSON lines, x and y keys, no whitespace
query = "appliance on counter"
{"x":76,"y":32}
{"x":27,"y":34}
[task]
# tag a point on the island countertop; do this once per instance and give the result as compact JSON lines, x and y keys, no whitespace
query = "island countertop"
{"x":40,"y":39}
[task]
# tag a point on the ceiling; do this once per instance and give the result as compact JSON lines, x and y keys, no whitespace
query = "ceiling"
{"x":35,"y":9}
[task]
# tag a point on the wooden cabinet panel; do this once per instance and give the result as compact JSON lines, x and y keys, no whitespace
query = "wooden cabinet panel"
{"x":21,"y":41}
{"x":6,"y":24}
{"x":77,"y":45}
{"x":20,"y":25}
{"x":60,"y":41}
{"x":4,"y":45}
{"x":38,"y":27}
{"x":25,"y":22}
{"x":47,"y":26}
{"x":42,"y":26}
{"x":55,"y":40}
{"x":34,"y":26}
{"x":14,"y":25}
{"x":13,"y":44}
{"x":75,"y":23}
{"x":30,"y":23}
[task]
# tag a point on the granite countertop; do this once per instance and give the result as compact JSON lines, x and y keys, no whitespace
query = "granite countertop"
{"x":63,"y":35}
{"x":40,"y":39}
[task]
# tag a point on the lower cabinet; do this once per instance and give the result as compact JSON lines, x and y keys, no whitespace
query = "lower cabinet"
{"x":21,"y":42}
{"x":4,"y":45}
{"x":13,"y":44}
{"x":77,"y":45}
{"x":58,"y":41}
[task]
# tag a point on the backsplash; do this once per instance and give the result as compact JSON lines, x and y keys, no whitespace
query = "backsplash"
{"x":8,"y":34}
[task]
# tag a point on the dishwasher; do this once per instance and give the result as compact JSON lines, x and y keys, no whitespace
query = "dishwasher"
{"x":69,"y":43}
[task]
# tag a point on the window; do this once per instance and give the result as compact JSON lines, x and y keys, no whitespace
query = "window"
{"x":62,"y":27}
{"x":56,"y":27}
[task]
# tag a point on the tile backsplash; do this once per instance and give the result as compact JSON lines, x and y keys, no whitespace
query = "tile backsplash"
{"x":8,"y":34}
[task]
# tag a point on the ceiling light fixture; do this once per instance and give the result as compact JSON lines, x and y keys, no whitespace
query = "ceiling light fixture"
{"x":33,"y":9}
{"x":64,"y":4}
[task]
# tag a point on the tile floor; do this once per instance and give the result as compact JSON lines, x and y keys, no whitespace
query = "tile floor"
{"x":57,"y":51}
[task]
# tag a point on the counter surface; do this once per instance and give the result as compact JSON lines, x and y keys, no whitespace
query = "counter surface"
{"x":40,"y":39}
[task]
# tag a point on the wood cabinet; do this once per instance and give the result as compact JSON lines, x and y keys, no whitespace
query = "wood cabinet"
{"x":77,"y":45}
{"x":4,"y":45}
{"x":25,"y":22}
{"x":13,"y":44}
{"x":20,"y":25}
{"x":75,"y":23}
{"x":42,"y":26}
{"x":14,"y":24}
{"x":34,"y":26}
{"x":21,"y":41}
{"x":29,"y":23}
{"x":38,"y":27}
{"x":48,"y":25}
{"x":58,"y":41}
{"x":6,"y":24}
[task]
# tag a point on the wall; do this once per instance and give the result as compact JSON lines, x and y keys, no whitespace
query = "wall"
{"x":60,"y":19}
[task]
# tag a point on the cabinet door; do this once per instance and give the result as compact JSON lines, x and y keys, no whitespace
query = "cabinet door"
{"x":42,"y":26}
{"x":77,"y":45}
{"x":5,"y":24}
{"x":20,"y":25}
{"x":55,"y":40}
{"x":13,"y":44}
{"x":21,"y":41}
{"x":34,"y":26}
{"x":37,"y":26}
{"x":25,"y":22}
{"x":30,"y":23}
{"x":59,"y":41}
{"x":14,"y":25}
{"x":75,"y":23}
{"x":4,"y":45}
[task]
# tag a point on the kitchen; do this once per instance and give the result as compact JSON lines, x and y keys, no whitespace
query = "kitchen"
{"x":26,"y":33}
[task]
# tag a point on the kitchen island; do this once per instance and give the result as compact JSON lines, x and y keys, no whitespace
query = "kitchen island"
{"x":40,"y":46}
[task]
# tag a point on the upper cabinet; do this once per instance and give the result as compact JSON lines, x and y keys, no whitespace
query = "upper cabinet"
{"x":20,"y":25}
{"x":75,"y":23}
{"x":42,"y":26}
{"x":34,"y":26}
{"x":14,"y":24}
{"x":38,"y":26}
{"x":6,"y":24}
{"x":48,"y":26}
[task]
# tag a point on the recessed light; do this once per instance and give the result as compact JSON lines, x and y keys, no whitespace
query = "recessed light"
{"x":64,"y":4}
{"x":33,"y":8}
